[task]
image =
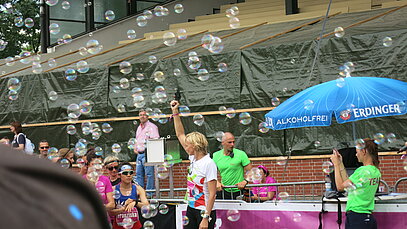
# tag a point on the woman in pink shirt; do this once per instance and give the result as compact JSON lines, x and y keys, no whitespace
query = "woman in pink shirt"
{"x":267,"y":192}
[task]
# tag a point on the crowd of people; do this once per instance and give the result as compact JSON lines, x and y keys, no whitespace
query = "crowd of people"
{"x":209,"y":178}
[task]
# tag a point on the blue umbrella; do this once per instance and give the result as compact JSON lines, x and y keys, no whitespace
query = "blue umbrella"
{"x":349,"y":99}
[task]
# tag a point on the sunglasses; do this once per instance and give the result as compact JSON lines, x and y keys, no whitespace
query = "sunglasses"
{"x":44,"y":147}
{"x":231,"y":155}
{"x":113,"y":167}
{"x":126,"y":173}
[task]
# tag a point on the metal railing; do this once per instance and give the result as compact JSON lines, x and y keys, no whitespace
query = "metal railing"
{"x":398,"y":182}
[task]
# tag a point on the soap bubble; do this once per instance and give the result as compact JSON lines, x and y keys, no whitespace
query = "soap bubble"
{"x":234,"y":22}
{"x":54,"y":28}
{"x":116,"y":194}
{"x":29,"y":22}
{"x":109,"y":15}
{"x":339,"y":32}
{"x":82,"y":66}
{"x":141,"y":21}
{"x":18,"y":21}
{"x":245,"y":118}
{"x":309,"y":104}
{"x":206,"y":41}
{"x":158,"y":11}
{"x":83,"y":51}
{"x":387,"y":41}
{"x":194,"y":62}
{"x":219,"y":135}
{"x":216,"y":45}
{"x":391,"y":137}
{"x":169,"y":39}
{"x":14,"y":84}
{"x":222,"y":110}
{"x":233,"y":215}
{"x":360,"y":143}
{"x":36,"y":68}
{"x":222,"y":67}
{"x":182,"y":34}
{"x":106,"y":128}
{"x":263,"y":127}
{"x":185,"y":220}
{"x":230,"y":112}
{"x":379,"y":138}
{"x":165,"y":12}
{"x":177,"y":72}
{"x":80,"y":162}
{"x":125,"y":67}
{"x":183,"y":110}
{"x":203,"y":74}
{"x":163,"y":209}
{"x":159,"y":76}
{"x":9,"y":60}
{"x":152,"y":59}
{"x":198,"y":120}
{"x":71,"y":130}
{"x":116,"y":148}
{"x":297,"y":217}
{"x":52,"y":63}
{"x":131,"y":34}
{"x":148,"y":225}
{"x":284,"y":196}
{"x":93,"y":47}
{"x":281,"y":160}
{"x":85,"y":107}
{"x":66,"y":5}
{"x":67,"y":38}
{"x":327,"y":167}
{"x":340,"y":82}
{"x":70,"y":74}
{"x":124,"y":83}
{"x":73,"y":110}
{"x":51,"y":2}
{"x":178,"y":8}
{"x":148,"y":14}
{"x":317,"y":144}
{"x":99,"y":151}
{"x":275,"y":101}
{"x":12,"y":95}
{"x":121,"y":108}
{"x":64,"y":163}
{"x":140,"y":76}
{"x":52,"y":95}
{"x":162,"y":172}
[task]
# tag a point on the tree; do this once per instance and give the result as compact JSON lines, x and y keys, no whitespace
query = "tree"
{"x":15,"y":29}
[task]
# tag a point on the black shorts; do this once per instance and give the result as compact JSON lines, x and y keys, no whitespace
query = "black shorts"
{"x":356,"y":220}
{"x":195,"y":218}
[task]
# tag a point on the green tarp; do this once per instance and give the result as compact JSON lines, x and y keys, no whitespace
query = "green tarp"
{"x":279,"y":67}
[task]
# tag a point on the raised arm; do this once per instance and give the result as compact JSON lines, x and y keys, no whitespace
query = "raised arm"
{"x":341,"y":177}
{"x":179,"y":128}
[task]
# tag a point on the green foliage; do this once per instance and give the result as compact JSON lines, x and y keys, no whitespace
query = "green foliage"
{"x":19,"y":38}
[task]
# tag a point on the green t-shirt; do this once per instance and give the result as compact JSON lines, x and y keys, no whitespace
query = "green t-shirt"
{"x":366,"y":180}
{"x":231,"y":169}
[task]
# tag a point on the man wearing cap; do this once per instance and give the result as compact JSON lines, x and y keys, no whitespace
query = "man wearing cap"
{"x":232,"y":164}
{"x":146,"y":130}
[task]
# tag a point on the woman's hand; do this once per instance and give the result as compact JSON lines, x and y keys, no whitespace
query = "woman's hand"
{"x":204,"y":224}
{"x":174,"y":106}
{"x":336,"y":157}
{"x":130,"y":206}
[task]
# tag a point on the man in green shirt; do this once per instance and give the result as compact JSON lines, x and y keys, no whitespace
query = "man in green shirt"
{"x":232,"y":164}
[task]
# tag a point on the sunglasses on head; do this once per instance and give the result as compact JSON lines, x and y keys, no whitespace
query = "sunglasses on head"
{"x":44,"y":147}
{"x":113,"y":167}
{"x":126,"y":173}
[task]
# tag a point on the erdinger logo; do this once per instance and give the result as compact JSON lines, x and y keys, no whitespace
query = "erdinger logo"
{"x":345,"y":115}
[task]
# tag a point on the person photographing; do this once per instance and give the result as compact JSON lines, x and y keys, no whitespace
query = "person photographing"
{"x":361,"y":186}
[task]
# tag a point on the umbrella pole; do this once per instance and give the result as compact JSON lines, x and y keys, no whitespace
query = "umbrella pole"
{"x":354,"y":131}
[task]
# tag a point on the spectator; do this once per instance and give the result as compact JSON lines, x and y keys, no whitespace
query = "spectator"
{"x":202,"y":175}
{"x":265,"y":193}
{"x":112,"y":166}
{"x":5,"y":140}
{"x":146,"y":130}
{"x":19,"y":138}
{"x":102,"y":183}
{"x":365,"y":179}
{"x":232,"y":164}
{"x":43,"y":147}
{"x":66,"y":153}
{"x":131,"y":196}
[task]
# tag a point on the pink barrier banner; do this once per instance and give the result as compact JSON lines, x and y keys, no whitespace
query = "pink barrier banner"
{"x":296,"y":215}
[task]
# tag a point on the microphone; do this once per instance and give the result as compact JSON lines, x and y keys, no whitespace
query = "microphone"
{"x":404,"y":148}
